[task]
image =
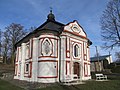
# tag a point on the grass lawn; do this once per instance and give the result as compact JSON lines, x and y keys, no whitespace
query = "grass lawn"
{"x":90,"y":85}
{"x":4,"y":85}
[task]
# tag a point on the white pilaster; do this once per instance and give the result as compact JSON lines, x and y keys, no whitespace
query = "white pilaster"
{"x":63,"y":58}
{"x":35,"y":60}
{"x":22,"y":61}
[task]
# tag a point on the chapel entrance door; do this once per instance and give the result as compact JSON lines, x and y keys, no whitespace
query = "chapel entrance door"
{"x":77,"y":69}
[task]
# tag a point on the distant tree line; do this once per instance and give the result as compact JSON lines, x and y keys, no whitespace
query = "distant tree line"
{"x":8,"y":38}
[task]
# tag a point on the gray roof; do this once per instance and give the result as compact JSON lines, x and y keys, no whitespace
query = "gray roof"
{"x":92,"y":59}
{"x":49,"y":25}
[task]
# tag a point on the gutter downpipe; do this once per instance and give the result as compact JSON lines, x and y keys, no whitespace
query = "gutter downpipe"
{"x":59,"y":58}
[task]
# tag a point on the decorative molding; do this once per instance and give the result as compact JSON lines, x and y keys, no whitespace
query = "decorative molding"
{"x":67,"y":47}
{"x":54,"y":48}
{"x":16,"y":69}
{"x":31,"y":48}
{"x":75,"y":28}
{"x":29,"y":73}
{"x":85,"y":51}
{"x":47,"y":47}
{"x":76,"y":34}
{"x":67,"y":67}
{"x":85,"y":69}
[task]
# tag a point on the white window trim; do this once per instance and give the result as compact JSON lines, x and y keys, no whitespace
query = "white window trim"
{"x":78,"y":50}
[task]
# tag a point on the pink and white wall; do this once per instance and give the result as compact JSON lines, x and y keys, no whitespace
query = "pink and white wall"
{"x":50,"y":58}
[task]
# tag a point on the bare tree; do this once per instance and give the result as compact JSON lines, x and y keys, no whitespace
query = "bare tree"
{"x":110,"y":24}
{"x":13,"y":33}
{"x":5,"y":46}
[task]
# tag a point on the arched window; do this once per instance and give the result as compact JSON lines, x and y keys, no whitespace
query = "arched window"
{"x":46,"y":46}
{"x":76,"y":50}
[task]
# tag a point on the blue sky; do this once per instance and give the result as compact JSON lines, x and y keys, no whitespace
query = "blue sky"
{"x":34,"y":12}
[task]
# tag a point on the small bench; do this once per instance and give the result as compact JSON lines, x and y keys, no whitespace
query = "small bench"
{"x":101,"y":77}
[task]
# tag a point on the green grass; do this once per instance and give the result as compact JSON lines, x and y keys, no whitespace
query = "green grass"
{"x":90,"y":85}
{"x":4,"y":85}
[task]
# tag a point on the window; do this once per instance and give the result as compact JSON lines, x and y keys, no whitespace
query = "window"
{"x":76,"y":50}
{"x":46,"y":46}
{"x":27,"y":67}
{"x":27,"y":51}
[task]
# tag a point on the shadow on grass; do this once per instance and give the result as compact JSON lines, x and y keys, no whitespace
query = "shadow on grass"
{"x":4,"y":85}
{"x":90,"y":85}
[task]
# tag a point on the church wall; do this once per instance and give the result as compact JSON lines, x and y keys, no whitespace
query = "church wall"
{"x":28,"y":61}
{"x":67,"y":53}
{"x":73,"y":38}
{"x":39,"y":59}
{"x":48,"y":58}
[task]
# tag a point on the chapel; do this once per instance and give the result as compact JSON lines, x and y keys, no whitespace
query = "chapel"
{"x":54,"y":52}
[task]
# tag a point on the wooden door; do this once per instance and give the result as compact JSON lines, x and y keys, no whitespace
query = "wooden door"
{"x":77,"y":69}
